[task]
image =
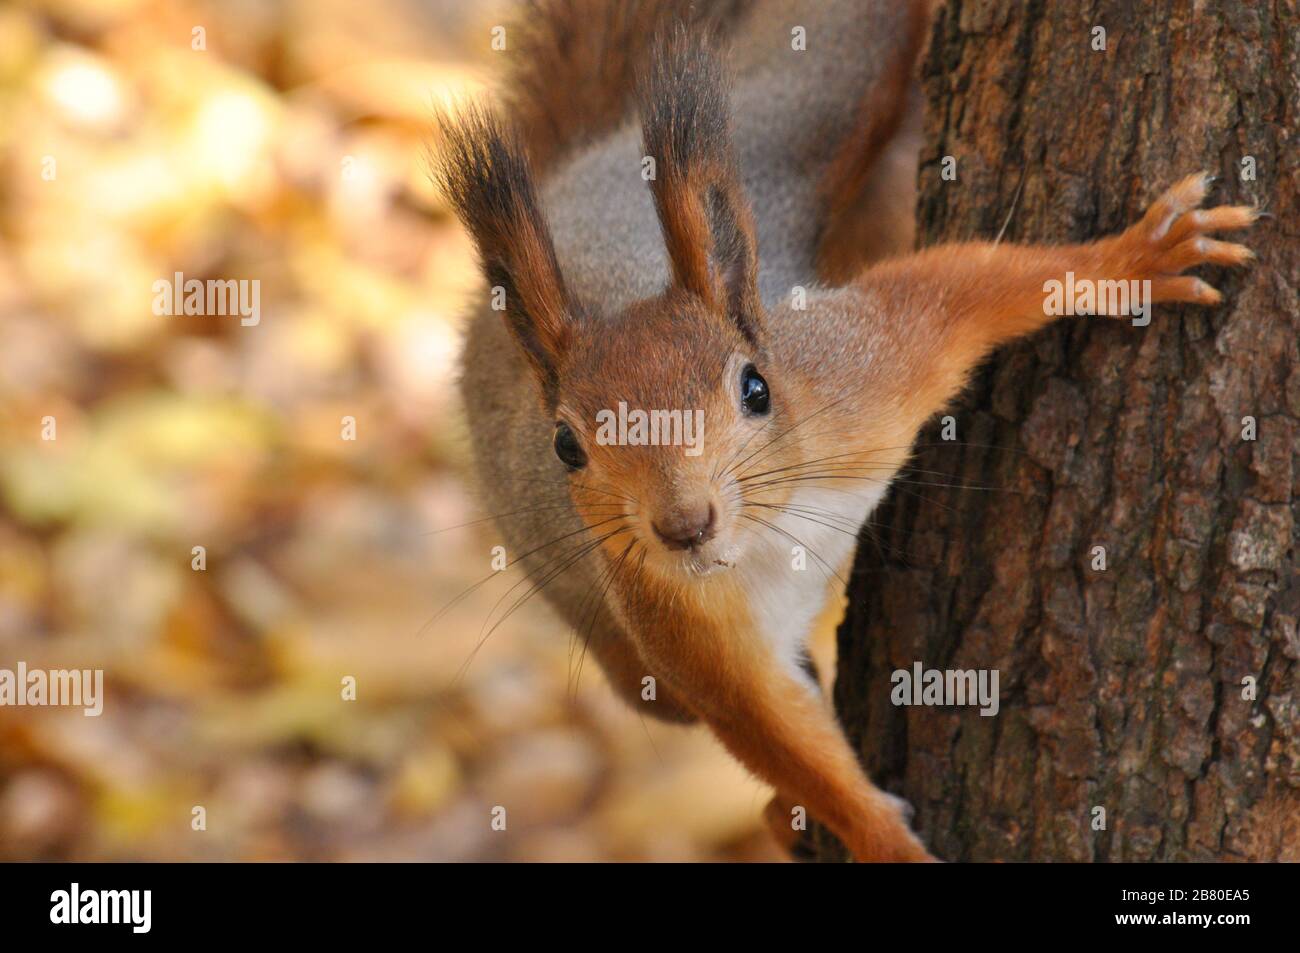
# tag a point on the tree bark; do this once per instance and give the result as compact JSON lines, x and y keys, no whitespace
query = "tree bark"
{"x":1124,"y":688}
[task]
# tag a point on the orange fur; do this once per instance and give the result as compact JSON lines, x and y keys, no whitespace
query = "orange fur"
{"x":853,"y":377}
{"x":961,"y":301}
{"x":575,"y":63}
{"x":707,"y":225}
{"x":769,"y":721}
{"x":970,"y":298}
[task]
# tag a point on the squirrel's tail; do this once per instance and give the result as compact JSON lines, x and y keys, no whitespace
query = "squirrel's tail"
{"x":576,"y":63}
{"x":883,"y":116}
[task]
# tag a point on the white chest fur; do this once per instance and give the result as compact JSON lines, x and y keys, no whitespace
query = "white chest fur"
{"x":789,"y":570}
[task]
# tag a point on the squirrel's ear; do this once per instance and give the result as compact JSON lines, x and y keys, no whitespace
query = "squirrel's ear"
{"x":706,"y":220}
{"x":484,"y":171}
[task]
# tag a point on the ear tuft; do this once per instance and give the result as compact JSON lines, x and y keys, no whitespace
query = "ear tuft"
{"x":483,"y":170}
{"x":685,"y":114}
{"x":706,"y":221}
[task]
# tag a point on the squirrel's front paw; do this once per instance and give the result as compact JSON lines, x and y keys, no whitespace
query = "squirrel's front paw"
{"x":890,"y":838}
{"x":1171,"y":237}
{"x":901,"y":847}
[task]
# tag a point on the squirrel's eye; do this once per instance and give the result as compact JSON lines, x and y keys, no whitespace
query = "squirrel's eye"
{"x":754,"y":395}
{"x":568,"y":449}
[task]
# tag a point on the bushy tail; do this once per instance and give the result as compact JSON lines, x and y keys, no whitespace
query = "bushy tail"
{"x":576,"y":63}
{"x":880,"y":114}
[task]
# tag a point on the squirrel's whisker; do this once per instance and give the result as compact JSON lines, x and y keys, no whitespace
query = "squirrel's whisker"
{"x":520,"y":512}
{"x":798,"y":542}
{"x":783,"y":433}
{"x":612,"y":573}
{"x":567,"y":562}
{"x":496,"y":572}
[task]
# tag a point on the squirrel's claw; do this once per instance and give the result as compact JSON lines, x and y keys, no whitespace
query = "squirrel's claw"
{"x":1172,"y":237}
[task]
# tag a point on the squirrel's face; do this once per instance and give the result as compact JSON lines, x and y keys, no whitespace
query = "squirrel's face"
{"x":658,"y":416}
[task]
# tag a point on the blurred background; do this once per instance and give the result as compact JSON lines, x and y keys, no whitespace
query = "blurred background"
{"x":283,"y":141}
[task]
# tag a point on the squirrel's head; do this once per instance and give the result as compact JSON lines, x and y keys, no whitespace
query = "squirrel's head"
{"x":655,"y":418}
{"x":662,"y":408}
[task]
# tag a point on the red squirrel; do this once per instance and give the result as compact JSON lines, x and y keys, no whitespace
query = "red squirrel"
{"x":703,"y":287}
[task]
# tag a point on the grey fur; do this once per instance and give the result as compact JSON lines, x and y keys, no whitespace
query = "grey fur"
{"x":789,"y":111}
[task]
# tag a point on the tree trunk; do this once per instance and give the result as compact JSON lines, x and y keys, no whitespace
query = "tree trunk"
{"x":1162,"y":688}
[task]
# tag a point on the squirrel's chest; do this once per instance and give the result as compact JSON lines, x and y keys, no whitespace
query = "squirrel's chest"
{"x":802,"y":558}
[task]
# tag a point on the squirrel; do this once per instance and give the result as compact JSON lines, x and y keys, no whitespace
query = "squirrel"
{"x":675,"y":290}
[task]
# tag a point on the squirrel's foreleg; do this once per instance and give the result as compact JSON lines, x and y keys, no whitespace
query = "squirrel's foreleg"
{"x":786,"y":734}
{"x":777,"y":725}
{"x":970,"y":298}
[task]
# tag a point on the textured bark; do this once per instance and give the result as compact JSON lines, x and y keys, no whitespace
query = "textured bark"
{"x":1120,"y":689}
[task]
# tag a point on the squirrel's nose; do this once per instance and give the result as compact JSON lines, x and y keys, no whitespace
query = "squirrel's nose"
{"x":687,"y":527}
